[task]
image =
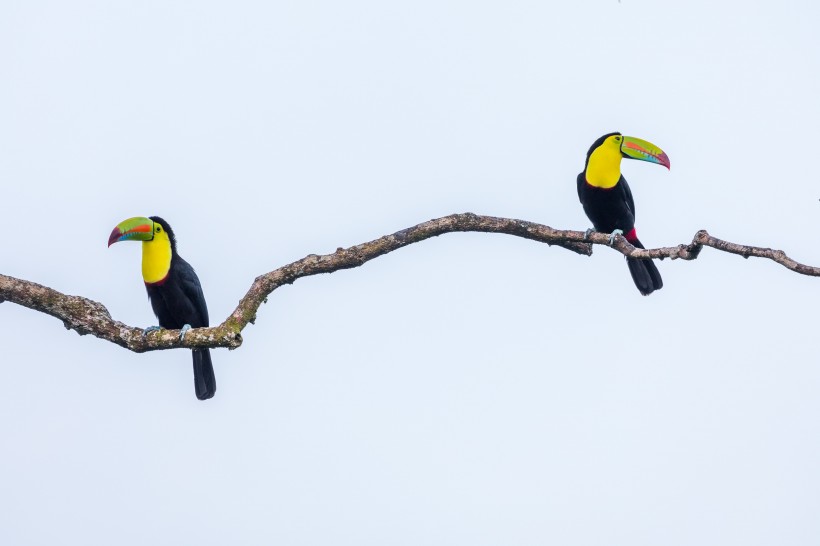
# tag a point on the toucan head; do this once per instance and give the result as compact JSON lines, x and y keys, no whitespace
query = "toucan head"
{"x":144,"y":229}
{"x":615,"y":144}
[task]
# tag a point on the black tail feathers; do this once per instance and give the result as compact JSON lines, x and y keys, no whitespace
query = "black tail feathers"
{"x":646,"y":276}
{"x":204,"y":379}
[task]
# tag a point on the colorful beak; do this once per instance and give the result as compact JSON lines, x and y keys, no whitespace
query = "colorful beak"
{"x":133,"y":229}
{"x":635,"y":148}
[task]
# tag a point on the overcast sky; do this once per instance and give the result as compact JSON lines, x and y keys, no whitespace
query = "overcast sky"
{"x":473,"y":389}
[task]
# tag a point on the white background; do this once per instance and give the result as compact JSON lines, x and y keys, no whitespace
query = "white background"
{"x":472,"y":389}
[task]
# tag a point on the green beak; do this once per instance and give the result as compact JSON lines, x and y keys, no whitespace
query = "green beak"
{"x":636,"y":148}
{"x":133,"y":229}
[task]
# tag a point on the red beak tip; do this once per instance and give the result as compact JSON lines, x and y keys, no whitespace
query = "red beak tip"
{"x":115,"y":235}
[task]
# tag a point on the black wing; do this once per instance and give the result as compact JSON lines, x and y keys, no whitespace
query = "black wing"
{"x":630,"y":202}
{"x":189,"y":283}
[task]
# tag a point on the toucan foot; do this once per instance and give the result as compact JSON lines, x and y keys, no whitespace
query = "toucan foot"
{"x":587,"y":234}
{"x":613,"y":235}
{"x":150,"y":329}
{"x":183,"y":330}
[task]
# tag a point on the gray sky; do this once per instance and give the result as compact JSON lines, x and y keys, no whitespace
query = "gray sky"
{"x":472,"y":389}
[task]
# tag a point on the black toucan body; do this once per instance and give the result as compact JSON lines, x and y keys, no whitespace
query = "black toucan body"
{"x":173,"y":288}
{"x":608,"y":201}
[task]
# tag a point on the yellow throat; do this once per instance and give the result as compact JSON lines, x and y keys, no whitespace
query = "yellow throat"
{"x":604,"y":166}
{"x":156,"y":257}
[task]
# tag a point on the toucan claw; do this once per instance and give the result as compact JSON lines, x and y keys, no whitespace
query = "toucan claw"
{"x":588,"y":233}
{"x":150,"y":329}
{"x":183,"y":330}
{"x":613,"y":235}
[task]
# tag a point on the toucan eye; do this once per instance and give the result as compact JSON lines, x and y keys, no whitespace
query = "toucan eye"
{"x":617,"y":139}
{"x":159,"y":229}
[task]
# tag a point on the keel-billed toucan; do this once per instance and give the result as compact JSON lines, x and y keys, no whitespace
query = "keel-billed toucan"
{"x":173,"y":288}
{"x":608,"y":201}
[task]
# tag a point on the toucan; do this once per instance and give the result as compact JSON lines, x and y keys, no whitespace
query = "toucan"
{"x":607,"y":199}
{"x":173,"y":288}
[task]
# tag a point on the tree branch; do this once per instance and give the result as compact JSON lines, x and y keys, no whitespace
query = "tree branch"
{"x":90,"y":317}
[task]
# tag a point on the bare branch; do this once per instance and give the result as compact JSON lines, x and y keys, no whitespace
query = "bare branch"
{"x":90,"y":317}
